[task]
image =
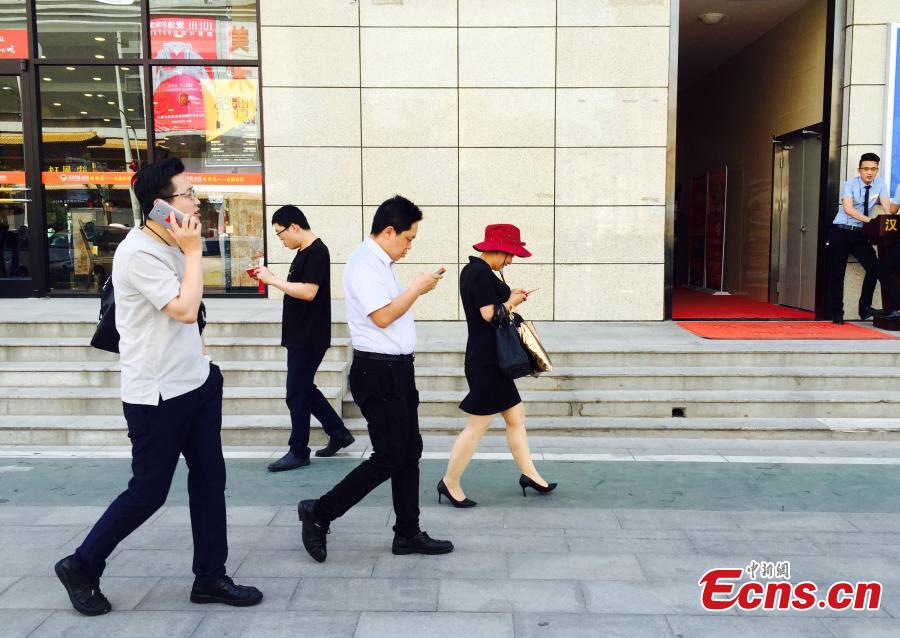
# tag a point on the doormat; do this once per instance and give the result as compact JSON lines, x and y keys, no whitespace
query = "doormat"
{"x":780,"y":330}
{"x":694,"y":304}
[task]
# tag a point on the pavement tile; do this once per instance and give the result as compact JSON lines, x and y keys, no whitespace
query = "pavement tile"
{"x":874,"y":522}
{"x":260,"y":624}
{"x":6,"y":581}
{"x":297,"y":564}
{"x":167,"y":537}
{"x":19,"y":623}
{"x":236,"y":515}
{"x":366,"y":594}
{"x":125,"y":624}
{"x":653,"y":597}
{"x":825,"y":570}
{"x":46,"y":592}
{"x":568,"y":517}
{"x":799,"y":521}
{"x":580,"y":566}
{"x":688,"y":568}
{"x":746,"y":627}
{"x":174,"y":594}
{"x":38,"y":536}
{"x":486,"y":595}
{"x":73,"y":515}
{"x":433,"y":625}
{"x":28,"y":561}
{"x":546,"y":625}
{"x":455,"y":565}
{"x":21,"y":514}
{"x":863,"y":627}
{"x":161,"y":562}
{"x":615,"y":544}
{"x":511,"y":541}
{"x":675,"y":519}
{"x":359,"y":515}
{"x":768,"y":545}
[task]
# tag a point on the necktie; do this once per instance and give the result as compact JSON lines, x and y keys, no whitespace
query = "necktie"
{"x":866,"y":201}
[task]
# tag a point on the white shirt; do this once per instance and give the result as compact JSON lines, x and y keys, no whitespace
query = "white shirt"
{"x":370,"y":284}
{"x":158,"y":355}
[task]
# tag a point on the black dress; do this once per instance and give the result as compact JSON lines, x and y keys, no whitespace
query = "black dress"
{"x":490,"y":390}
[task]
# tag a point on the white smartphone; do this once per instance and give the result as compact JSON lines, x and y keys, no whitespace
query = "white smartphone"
{"x":164,"y":213}
{"x":440,"y":271}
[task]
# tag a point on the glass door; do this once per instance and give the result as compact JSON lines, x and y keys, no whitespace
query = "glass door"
{"x":20,"y":263}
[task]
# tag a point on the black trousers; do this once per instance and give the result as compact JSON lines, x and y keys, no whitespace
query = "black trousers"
{"x":841,"y":244}
{"x":305,"y":399}
{"x":386,"y":393}
{"x":191,"y":425}
{"x":888,"y":267}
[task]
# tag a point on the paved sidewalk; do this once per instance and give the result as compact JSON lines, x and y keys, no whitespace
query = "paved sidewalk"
{"x":616,"y":551}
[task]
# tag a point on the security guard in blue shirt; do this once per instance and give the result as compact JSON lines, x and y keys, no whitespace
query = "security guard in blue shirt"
{"x":858,"y":197}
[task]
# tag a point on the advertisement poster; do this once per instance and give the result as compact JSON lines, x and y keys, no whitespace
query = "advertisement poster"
{"x":13,"y":43}
{"x":891,"y":161}
{"x":232,"y":140}
{"x":717,"y":193}
{"x":697,"y":232}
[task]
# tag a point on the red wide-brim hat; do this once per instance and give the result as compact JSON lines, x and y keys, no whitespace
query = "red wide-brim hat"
{"x":503,"y":238}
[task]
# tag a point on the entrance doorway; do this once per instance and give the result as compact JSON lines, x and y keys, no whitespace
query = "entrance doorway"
{"x":21,"y":247}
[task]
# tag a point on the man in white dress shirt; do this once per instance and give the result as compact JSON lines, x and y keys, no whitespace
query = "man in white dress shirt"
{"x":382,"y":380}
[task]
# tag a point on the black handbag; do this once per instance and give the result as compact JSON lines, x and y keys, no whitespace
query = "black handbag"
{"x":511,"y":356}
{"x":106,"y":336}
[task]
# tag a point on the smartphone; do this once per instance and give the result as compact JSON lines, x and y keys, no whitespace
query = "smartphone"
{"x":440,"y":271}
{"x":531,"y":291}
{"x":164,"y":213}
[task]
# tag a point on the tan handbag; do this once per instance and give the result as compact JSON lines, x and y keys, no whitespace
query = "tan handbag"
{"x":531,"y":342}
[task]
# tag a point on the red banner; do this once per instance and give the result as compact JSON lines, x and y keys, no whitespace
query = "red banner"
{"x":13,"y":43}
{"x":77,"y":178}
{"x":12,"y":177}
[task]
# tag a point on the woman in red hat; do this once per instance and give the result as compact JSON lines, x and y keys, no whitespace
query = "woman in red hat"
{"x":490,"y":390}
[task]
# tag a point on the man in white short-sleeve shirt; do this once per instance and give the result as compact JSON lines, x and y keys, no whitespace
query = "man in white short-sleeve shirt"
{"x":383,"y":384}
{"x":171,"y":398}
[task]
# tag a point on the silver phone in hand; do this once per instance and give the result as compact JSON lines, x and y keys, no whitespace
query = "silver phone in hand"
{"x":164,"y":213}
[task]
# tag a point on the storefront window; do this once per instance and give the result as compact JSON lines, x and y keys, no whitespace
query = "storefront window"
{"x":13,"y":32}
{"x":93,"y":133}
{"x":208,"y":116}
{"x":15,"y":256}
{"x":200,"y":29}
{"x":88,"y":29}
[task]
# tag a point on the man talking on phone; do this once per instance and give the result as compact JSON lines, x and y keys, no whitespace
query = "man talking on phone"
{"x":383,"y":384}
{"x":171,"y":395}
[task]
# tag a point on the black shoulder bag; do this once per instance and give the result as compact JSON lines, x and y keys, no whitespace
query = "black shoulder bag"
{"x":511,"y":356}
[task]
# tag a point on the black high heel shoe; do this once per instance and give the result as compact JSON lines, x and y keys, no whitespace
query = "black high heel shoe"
{"x":443,"y":491}
{"x":526,"y":481}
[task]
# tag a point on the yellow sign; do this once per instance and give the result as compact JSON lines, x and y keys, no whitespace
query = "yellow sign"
{"x":229,"y":104}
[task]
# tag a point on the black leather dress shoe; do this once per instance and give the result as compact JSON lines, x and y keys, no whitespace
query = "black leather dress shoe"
{"x":421,"y":543}
{"x":838,"y":321}
{"x":335,"y":444}
{"x":868,"y":311}
{"x":289,"y":461}
{"x":223,"y":590}
{"x":84,"y":591}
{"x":312,"y":531}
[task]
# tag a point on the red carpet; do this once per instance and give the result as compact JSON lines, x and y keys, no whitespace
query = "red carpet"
{"x":693,"y":304}
{"x":780,"y":330}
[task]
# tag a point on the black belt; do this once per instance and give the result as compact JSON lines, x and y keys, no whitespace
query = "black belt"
{"x":848,"y":227}
{"x":377,"y":356}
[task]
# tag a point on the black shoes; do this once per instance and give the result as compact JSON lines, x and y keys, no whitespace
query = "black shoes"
{"x":289,"y":461}
{"x":838,"y":321}
{"x":421,"y":543}
{"x":443,"y":491}
{"x":223,"y":590}
{"x":312,"y":531}
{"x":526,"y":481}
{"x":336,"y":444}
{"x":869,"y":311}
{"x":84,"y":592}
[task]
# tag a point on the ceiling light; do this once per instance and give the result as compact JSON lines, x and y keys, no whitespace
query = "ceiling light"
{"x":84,"y":112}
{"x":100,"y":38}
{"x":48,"y":79}
{"x":100,"y":56}
{"x":96,"y":79}
{"x":70,"y":68}
{"x":126,"y":68}
{"x":106,"y":119}
{"x":88,"y":95}
{"x":131,"y":110}
{"x":711,"y":18}
{"x":57,"y":104}
{"x":111,"y":103}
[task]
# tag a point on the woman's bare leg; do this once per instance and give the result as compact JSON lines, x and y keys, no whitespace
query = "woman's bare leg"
{"x":463,"y":449}
{"x":517,"y":439}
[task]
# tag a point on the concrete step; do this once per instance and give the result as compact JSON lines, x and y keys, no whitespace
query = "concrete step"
{"x":275,"y":429}
{"x":668,"y":403}
{"x":18,"y":349}
{"x":35,"y":400}
{"x":106,"y":374}
{"x":693,"y":378}
{"x":84,"y":329}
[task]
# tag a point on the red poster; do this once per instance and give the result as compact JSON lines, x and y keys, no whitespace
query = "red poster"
{"x":697,"y":232}
{"x":13,"y":43}
{"x":715,"y":228}
{"x":183,"y":38}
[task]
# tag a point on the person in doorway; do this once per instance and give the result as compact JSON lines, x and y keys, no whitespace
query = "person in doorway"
{"x":491,"y":392}
{"x":382,"y":381}
{"x":859,"y":197}
{"x":306,"y":333}
{"x":171,"y":397}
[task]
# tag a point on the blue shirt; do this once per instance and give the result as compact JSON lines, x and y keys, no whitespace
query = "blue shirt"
{"x":856,"y":189}
{"x":896,"y":198}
